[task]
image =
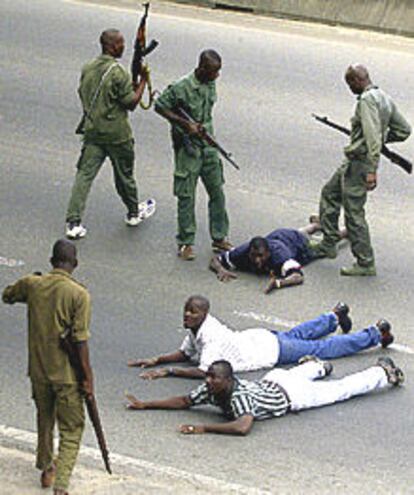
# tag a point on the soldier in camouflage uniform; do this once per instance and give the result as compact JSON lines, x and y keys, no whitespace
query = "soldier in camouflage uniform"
{"x":56,"y":301}
{"x":376,"y":121}
{"x":194,"y":158}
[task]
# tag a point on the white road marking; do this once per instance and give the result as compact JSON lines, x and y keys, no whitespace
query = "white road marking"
{"x":29,"y":438}
{"x":10,"y":262}
{"x":274,"y":320}
{"x":401,"y":348}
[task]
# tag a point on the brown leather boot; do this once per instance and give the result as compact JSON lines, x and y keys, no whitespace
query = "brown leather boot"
{"x":47,"y":477}
{"x":59,"y":491}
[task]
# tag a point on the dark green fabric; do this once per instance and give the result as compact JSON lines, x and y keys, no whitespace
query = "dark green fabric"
{"x":188,"y":169}
{"x":91,"y":159}
{"x":347,"y":188}
{"x":107,"y":120}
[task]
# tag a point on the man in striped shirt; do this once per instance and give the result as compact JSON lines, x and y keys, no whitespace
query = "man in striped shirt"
{"x":242,"y":402}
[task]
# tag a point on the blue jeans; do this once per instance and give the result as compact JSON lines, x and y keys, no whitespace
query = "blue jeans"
{"x":303,"y":340}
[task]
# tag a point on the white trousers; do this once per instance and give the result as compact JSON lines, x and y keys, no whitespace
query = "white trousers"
{"x":305,"y":393}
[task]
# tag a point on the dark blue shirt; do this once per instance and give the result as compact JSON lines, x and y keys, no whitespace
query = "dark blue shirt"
{"x":288,"y":253}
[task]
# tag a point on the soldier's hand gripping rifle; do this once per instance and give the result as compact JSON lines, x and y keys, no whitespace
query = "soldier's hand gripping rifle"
{"x":67,"y":345}
{"x":391,"y":155}
{"x":140,"y":51}
{"x":209,"y":138}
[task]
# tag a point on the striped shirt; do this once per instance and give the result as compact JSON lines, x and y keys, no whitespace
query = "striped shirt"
{"x":261,"y":399}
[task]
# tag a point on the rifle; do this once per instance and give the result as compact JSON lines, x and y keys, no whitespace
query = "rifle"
{"x":210,"y":140}
{"x":68,"y":346}
{"x":140,"y":51}
{"x":391,"y":155}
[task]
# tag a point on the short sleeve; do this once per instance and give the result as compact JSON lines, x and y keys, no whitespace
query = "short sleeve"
{"x":81,"y":317}
{"x":17,"y":292}
{"x":188,"y":348}
{"x":242,"y":404}
{"x":168,"y":99}
{"x":123,"y":86}
{"x":290,"y":266}
{"x":237,"y":258}
{"x":199,"y":395}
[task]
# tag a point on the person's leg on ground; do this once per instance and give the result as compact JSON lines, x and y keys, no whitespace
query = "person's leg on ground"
{"x":313,"y":329}
{"x":317,"y":394}
{"x":291,"y":350}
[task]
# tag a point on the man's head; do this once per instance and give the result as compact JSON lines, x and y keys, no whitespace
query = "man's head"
{"x":357,"y":78}
{"x":112,"y":43}
{"x":195,"y":311}
{"x":64,"y":255}
{"x":209,"y":65}
{"x":220,"y":378}
{"x":259,"y":253}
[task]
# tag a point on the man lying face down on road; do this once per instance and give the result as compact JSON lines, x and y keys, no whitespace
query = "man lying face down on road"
{"x":278,"y":392}
{"x":209,"y":340}
{"x":281,"y":254}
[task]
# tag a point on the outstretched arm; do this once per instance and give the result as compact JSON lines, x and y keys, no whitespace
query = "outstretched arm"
{"x":296,"y":278}
{"x":174,"y":357}
{"x":192,"y":372}
{"x":240,"y":426}
{"x":181,"y":402}
{"x":222,"y":274}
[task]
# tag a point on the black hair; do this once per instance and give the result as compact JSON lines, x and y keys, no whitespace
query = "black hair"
{"x":223,"y":368}
{"x":258,"y":243}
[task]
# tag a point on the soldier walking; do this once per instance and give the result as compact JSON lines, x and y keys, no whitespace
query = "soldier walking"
{"x":376,"y":121}
{"x":107,"y":93}
{"x":194,"y":157}
{"x":56,"y":301}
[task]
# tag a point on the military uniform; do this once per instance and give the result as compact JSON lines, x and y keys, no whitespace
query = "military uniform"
{"x":194,"y":158}
{"x":106,"y":133}
{"x":376,"y":121}
{"x":54,"y":301}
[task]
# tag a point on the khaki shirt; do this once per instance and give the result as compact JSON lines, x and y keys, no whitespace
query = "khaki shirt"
{"x":107,"y":121}
{"x":376,"y":121}
{"x":54,"y":300}
{"x":196,"y":98}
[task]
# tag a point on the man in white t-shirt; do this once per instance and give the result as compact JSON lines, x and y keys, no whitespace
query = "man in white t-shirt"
{"x":210,"y":340}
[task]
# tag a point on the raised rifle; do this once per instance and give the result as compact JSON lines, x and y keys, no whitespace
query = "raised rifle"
{"x":391,"y":155}
{"x":140,"y":51}
{"x":209,"y":139}
{"x":67,"y":345}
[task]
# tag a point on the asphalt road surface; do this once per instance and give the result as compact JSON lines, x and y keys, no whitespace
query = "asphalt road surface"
{"x":275,"y":74}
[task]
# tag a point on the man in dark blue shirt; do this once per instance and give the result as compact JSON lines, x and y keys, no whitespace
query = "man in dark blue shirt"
{"x":282,"y":254}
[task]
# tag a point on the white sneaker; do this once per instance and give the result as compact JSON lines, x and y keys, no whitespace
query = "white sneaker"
{"x":132,"y":220}
{"x":147,"y":208}
{"x":75,"y":230}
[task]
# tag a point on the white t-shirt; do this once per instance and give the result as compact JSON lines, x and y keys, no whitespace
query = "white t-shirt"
{"x":248,"y":350}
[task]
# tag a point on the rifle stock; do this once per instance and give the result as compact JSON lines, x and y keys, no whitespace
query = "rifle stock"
{"x":394,"y":157}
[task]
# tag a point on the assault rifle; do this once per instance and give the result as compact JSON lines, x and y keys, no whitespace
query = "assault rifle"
{"x":391,"y":155}
{"x":209,"y":139}
{"x":140,"y":51}
{"x":69,"y":347}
